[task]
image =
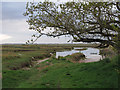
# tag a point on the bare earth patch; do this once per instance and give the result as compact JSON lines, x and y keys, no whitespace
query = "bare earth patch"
{"x":39,"y":61}
{"x":91,"y":58}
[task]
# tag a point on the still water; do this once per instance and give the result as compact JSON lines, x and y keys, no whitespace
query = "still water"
{"x":90,"y":53}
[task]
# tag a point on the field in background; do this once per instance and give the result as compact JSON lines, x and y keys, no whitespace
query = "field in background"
{"x":55,"y":73}
{"x":15,"y":57}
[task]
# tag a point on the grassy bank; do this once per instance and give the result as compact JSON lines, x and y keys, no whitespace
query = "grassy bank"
{"x":75,"y":57}
{"x":55,"y":73}
{"x":64,"y":74}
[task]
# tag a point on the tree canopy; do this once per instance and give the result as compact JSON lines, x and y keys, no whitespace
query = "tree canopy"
{"x":84,"y":21}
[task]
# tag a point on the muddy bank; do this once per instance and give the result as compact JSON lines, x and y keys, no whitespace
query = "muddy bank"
{"x":91,"y":58}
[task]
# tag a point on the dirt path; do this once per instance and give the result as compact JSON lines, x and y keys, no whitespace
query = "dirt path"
{"x":39,"y":61}
{"x":91,"y":58}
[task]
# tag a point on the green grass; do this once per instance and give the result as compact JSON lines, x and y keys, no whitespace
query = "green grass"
{"x":64,"y":74}
{"x":55,"y":73}
{"x":12,"y":78}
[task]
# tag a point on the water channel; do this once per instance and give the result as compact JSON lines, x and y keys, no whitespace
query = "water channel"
{"x":91,"y":54}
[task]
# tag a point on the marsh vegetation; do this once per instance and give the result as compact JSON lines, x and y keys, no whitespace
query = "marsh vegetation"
{"x":62,"y":72}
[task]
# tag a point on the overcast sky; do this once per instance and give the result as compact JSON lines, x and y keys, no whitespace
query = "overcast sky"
{"x":14,"y":25}
{"x":15,"y":28}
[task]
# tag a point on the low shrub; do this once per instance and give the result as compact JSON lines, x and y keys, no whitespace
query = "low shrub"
{"x":61,"y":58}
{"x":53,"y":57}
{"x":107,"y":52}
{"x":76,"y":57}
{"x":106,"y":60}
{"x":41,"y":56}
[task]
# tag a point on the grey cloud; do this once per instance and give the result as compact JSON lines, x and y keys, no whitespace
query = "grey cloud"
{"x":14,"y":25}
{"x":13,"y":10}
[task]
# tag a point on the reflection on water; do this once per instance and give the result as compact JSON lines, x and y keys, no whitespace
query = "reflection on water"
{"x":90,"y":53}
{"x":65,"y":53}
{"x":78,"y":48}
